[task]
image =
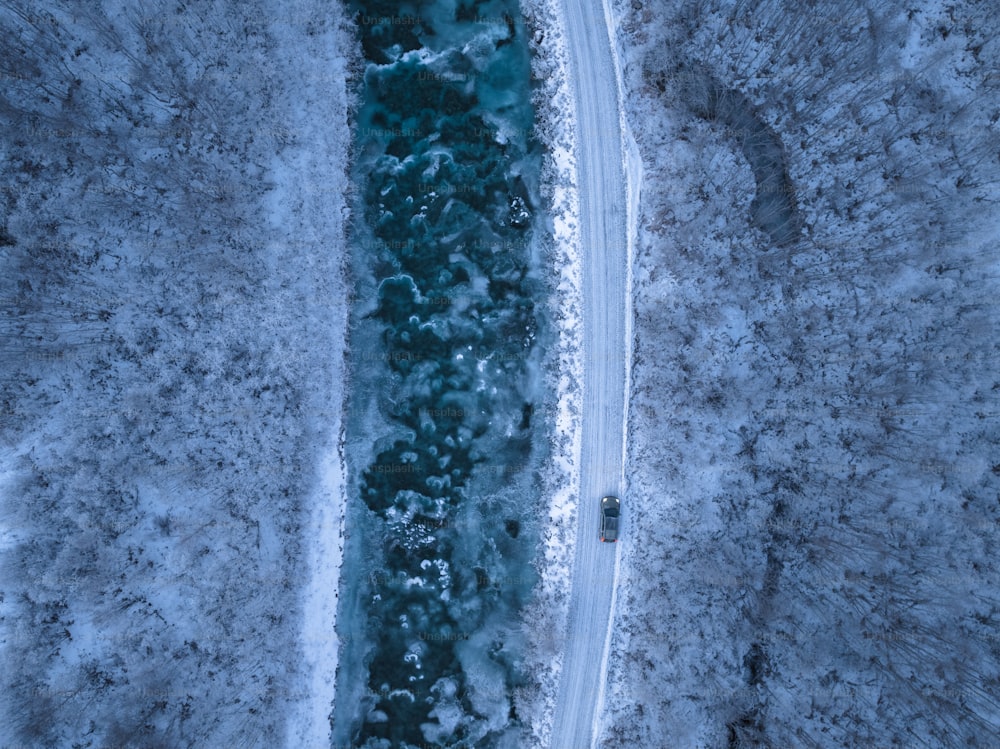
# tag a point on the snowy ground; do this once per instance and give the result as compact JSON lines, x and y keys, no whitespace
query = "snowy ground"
{"x":569,"y":622}
{"x":545,"y":617}
{"x":605,"y":262}
{"x":172,"y":340}
{"x":811,"y":511}
{"x":812,"y":462}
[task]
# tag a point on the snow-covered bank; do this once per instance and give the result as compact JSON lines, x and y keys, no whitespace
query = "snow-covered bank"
{"x":173,"y":323}
{"x":318,"y":114}
{"x":813,"y":489}
{"x":545,"y":618}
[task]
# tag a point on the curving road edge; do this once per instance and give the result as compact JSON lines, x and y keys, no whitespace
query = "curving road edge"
{"x":609,"y":173}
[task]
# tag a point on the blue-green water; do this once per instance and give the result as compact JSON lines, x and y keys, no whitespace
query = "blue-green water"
{"x":445,"y":160}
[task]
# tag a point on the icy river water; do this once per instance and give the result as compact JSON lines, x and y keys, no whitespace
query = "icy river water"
{"x":442,"y":435}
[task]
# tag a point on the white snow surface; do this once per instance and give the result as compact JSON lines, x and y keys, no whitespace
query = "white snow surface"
{"x":545,"y":617}
{"x":322,"y":99}
{"x":556,"y":623}
{"x":604,"y":261}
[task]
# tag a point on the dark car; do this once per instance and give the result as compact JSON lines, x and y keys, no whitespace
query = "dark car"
{"x":611,"y":508}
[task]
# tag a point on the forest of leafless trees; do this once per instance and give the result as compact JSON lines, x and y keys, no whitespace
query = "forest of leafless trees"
{"x":168,"y":309}
{"x":815,"y":399}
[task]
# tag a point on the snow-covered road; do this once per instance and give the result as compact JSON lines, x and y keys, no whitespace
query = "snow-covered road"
{"x":605,"y":213}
